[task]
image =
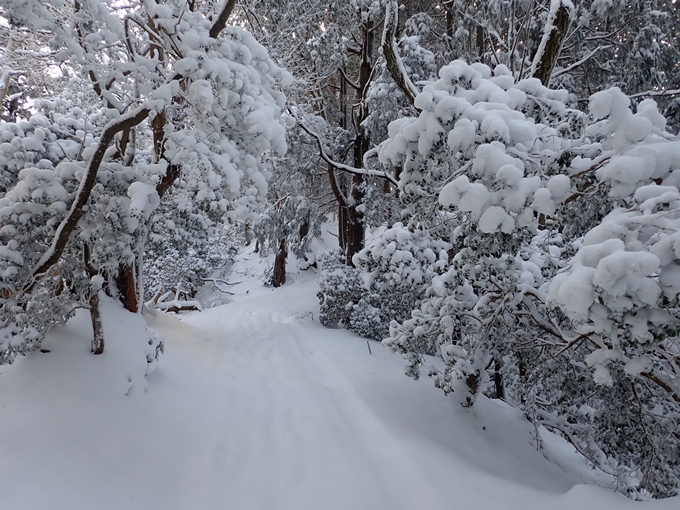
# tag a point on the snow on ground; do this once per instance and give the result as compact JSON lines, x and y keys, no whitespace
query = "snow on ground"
{"x":256,"y":406}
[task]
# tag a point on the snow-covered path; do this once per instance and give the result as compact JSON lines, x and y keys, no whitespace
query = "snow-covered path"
{"x":257,"y":406}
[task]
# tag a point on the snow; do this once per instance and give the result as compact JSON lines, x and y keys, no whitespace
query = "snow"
{"x":256,"y":406}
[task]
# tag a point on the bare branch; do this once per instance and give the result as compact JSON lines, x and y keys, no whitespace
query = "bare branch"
{"x":354,"y":85}
{"x":656,"y":93}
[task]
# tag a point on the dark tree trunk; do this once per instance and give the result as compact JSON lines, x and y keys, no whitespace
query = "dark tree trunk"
{"x":342,"y":226}
{"x":127,"y":287}
{"x":354,"y":219}
{"x":553,"y":47}
{"x":449,"y":25}
{"x":304,"y":228}
{"x":248,"y":233}
{"x":480,"y":43}
{"x":280,"y":265}
{"x":498,"y":380}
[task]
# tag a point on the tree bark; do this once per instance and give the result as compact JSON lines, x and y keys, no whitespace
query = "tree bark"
{"x":97,"y":345}
{"x":280,"y":264}
{"x":222,"y":18}
{"x":553,"y":46}
{"x":391,"y":52}
{"x":480,"y":43}
{"x":354,"y":221}
{"x":498,"y":380}
{"x":127,"y":287}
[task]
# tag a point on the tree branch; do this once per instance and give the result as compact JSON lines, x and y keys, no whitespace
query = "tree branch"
{"x":222,"y":19}
{"x":392,"y":58}
{"x":341,"y":166}
{"x":353,"y":85}
{"x":579,"y":62}
{"x":77,"y":210}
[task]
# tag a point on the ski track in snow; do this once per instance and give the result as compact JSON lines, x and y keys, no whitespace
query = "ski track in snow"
{"x":256,"y":406}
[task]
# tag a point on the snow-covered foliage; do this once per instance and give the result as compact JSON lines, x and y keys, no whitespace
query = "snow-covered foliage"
{"x":529,"y":286}
{"x":395,"y":269}
{"x":174,"y":260}
{"x":178,"y":103}
{"x":340,"y":288}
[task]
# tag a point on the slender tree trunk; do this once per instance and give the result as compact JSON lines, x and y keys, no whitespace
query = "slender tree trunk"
{"x":354,"y":218}
{"x":280,"y":264}
{"x":248,"y":233}
{"x":480,"y":43}
{"x":6,"y":72}
{"x":97,"y":325}
{"x":449,"y":26}
{"x":498,"y":380}
{"x":304,"y":227}
{"x":97,"y":345}
{"x":548,"y":58}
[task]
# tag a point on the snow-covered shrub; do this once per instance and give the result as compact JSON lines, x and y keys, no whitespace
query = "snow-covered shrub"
{"x":173,"y":261}
{"x":155,"y":346}
{"x":340,"y":288}
{"x":395,"y":270}
{"x":563,"y":230}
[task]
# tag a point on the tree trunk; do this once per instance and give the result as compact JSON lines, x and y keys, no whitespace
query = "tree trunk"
{"x":548,"y":58}
{"x":304,"y":227}
{"x":6,"y":72}
{"x":354,"y":218}
{"x":127,"y":287}
{"x":498,"y":380}
{"x":449,"y":27}
{"x":391,"y":52}
{"x":342,"y":226}
{"x":97,"y":345}
{"x":97,"y":326}
{"x":248,"y":233}
{"x":480,"y":43}
{"x":280,"y":265}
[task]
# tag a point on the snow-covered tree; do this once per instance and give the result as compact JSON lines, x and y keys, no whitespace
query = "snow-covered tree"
{"x":561,"y":226}
{"x":172,"y":97}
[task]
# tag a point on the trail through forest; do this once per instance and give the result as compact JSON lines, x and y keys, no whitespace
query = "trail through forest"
{"x":256,"y":406}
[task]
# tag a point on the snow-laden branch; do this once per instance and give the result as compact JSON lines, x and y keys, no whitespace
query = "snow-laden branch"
{"x":347,"y":79}
{"x":68,"y":224}
{"x":656,"y":93}
{"x":580,"y":62}
{"x":341,"y":166}
{"x":391,"y":52}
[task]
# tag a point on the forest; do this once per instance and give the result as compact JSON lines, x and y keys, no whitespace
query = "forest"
{"x":502,"y":178}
